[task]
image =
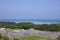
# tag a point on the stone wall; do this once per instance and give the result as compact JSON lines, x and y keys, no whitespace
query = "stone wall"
{"x":28,"y":33}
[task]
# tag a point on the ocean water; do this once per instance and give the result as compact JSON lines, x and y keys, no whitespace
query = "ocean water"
{"x":40,"y":21}
{"x":35,"y":21}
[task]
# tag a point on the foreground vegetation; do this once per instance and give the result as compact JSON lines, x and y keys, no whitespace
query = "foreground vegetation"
{"x":28,"y":25}
{"x":30,"y":38}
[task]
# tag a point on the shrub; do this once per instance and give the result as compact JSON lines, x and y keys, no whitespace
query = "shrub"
{"x":0,"y":36}
{"x":5,"y":38}
{"x":15,"y":39}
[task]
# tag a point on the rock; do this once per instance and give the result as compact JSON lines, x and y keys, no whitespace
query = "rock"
{"x":22,"y":29}
{"x":2,"y":28}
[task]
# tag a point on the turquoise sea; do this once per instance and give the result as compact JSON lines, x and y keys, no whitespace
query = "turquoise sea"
{"x":35,"y":21}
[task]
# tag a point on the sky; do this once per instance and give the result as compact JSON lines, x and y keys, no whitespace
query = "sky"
{"x":29,"y":9}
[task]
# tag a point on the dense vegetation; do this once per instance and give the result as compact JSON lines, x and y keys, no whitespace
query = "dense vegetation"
{"x":27,"y":25}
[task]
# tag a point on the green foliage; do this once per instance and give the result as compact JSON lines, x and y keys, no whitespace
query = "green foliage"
{"x":15,"y":39}
{"x":28,"y":25}
{"x":0,"y":36}
{"x":24,"y":25}
{"x":5,"y":38}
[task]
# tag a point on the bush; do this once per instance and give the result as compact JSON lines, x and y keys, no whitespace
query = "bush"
{"x":15,"y":39}
{"x":5,"y":38}
{"x":0,"y":36}
{"x":28,"y":25}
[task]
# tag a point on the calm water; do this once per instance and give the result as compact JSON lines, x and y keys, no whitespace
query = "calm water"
{"x":40,"y":21}
{"x":36,"y":21}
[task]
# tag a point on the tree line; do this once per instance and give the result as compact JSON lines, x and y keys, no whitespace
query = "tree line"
{"x":28,"y":25}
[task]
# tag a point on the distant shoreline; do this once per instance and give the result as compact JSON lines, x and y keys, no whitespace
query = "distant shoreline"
{"x":35,"y":21}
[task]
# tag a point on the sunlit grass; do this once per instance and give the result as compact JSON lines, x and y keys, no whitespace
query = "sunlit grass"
{"x":9,"y":29}
{"x":31,"y":38}
{"x":35,"y":38}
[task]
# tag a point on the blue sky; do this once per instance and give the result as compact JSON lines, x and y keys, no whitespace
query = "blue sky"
{"x":29,"y":9}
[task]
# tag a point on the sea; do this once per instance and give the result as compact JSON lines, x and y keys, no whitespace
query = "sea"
{"x":35,"y":21}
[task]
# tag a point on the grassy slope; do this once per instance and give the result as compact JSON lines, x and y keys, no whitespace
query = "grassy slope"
{"x":34,"y":38}
{"x":31,"y":38}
